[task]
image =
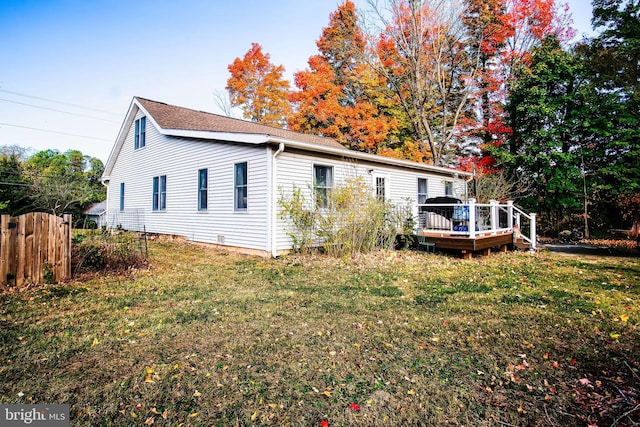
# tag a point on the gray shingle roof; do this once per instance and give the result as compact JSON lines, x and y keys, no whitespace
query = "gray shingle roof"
{"x":173,"y":117}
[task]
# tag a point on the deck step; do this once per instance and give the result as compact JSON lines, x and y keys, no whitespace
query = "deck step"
{"x":522,"y":245}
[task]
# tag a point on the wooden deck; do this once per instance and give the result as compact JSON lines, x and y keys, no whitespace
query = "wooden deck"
{"x":468,"y":246}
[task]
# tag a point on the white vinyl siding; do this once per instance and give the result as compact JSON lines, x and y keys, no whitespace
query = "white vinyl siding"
{"x":222,"y":224}
{"x":400,"y":185}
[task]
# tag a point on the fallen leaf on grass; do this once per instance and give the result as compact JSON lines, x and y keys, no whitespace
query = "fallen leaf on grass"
{"x":354,"y":406}
{"x":149,"y":421}
{"x":624,"y":318}
{"x":324,"y":423}
{"x":521,"y":411}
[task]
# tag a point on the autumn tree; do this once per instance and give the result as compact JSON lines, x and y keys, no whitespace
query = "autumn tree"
{"x":259,"y":88}
{"x":420,"y":48}
{"x":507,"y":31}
{"x":338,"y":95}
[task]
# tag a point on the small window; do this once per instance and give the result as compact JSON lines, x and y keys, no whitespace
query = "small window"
{"x":380,"y":188}
{"x":322,"y":184}
{"x":240,"y":186}
{"x":423,"y":194}
{"x":160,"y":193}
{"x":121,"y":196}
{"x":203,"y":182}
{"x":448,"y":188}
{"x":140,"y":139}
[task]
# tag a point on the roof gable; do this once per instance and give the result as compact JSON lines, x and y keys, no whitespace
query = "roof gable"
{"x":173,"y":117}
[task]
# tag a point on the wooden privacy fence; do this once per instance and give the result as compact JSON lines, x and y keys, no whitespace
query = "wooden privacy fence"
{"x":35,"y":248}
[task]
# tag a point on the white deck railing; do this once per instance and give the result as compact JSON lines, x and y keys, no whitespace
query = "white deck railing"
{"x":471,"y":219}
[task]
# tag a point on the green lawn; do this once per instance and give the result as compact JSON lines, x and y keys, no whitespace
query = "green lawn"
{"x":397,"y":338}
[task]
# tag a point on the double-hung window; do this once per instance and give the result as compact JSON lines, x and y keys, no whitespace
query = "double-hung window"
{"x":203,"y":183}
{"x":140,"y":139}
{"x":121,"y":196}
{"x":240,"y":186}
{"x":422,"y":191}
{"x":380,"y":188}
{"x":322,"y":184}
{"x":448,"y":188}
{"x":159,"y":193}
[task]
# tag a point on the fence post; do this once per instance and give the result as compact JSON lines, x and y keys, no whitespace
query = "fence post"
{"x":472,"y":218}
{"x":66,"y":246}
{"x":493,"y":215}
{"x":510,"y":214}
{"x":4,"y":248}
{"x":532,"y":231}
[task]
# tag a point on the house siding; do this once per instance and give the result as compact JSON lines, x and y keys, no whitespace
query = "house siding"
{"x":180,"y":159}
{"x":296,"y":169}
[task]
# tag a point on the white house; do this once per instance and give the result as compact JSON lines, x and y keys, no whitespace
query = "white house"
{"x":217,"y":180}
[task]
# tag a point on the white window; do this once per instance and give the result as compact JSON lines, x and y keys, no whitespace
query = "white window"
{"x":423,"y":192}
{"x":140,"y":139}
{"x":322,"y":184}
{"x":203,"y":183}
{"x":448,"y":188}
{"x":159,"y":193}
{"x":240,"y":186}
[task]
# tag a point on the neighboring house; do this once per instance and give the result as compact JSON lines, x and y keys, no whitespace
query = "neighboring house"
{"x":216,"y":179}
{"x":96,"y":212}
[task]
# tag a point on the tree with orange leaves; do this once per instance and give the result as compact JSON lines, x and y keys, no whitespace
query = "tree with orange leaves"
{"x":338,"y":95}
{"x":421,"y":50}
{"x":259,"y":88}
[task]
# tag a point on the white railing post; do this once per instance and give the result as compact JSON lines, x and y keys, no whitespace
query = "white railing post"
{"x":510,"y":214}
{"x":493,"y":215}
{"x":532,"y":231}
{"x":472,"y":218}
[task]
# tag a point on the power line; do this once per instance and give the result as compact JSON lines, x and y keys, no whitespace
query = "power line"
{"x":59,"y":111}
{"x":53,"y":131}
{"x":59,"y":102}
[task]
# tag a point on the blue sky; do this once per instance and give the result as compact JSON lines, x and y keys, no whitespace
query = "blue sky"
{"x":77,"y":64}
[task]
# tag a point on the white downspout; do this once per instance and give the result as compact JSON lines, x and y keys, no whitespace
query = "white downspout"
{"x":274,"y":201}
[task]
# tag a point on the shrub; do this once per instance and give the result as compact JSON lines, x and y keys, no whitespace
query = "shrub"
{"x":107,"y":252}
{"x":355,"y":221}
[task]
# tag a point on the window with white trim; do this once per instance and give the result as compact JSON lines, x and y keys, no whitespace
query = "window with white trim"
{"x":381,"y":188}
{"x":140,"y":138}
{"x":121,"y":196}
{"x":448,"y":188}
{"x":423,"y":192}
{"x":159,"y":193}
{"x":240,"y":186}
{"x":203,"y":183}
{"x":322,"y":184}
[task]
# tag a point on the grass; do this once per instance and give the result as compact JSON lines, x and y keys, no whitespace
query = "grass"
{"x":209,"y":338}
